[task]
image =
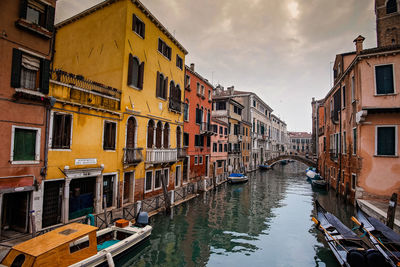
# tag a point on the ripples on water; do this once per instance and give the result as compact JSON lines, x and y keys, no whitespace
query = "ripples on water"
{"x":265,"y":222}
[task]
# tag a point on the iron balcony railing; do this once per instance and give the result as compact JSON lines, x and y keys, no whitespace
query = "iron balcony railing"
{"x":205,"y":128}
{"x":156,"y":155}
{"x":133,"y":156}
{"x":175,"y":105}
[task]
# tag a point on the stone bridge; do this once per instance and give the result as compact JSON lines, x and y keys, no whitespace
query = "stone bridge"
{"x":307,"y":161}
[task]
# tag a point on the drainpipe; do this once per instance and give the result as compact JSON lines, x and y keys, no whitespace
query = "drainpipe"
{"x":340,"y":154}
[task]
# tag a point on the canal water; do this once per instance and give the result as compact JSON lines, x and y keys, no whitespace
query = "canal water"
{"x":265,"y":222}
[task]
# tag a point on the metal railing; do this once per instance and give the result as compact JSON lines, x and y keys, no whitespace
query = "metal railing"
{"x":133,"y":155}
{"x":154,"y":155}
{"x":175,"y":104}
{"x":182,"y":152}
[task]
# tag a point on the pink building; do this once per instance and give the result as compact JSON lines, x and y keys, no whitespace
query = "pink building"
{"x":359,"y":137}
{"x":219,"y":148}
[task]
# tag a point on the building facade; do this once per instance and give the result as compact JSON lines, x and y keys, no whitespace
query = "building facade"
{"x":360,"y":137}
{"x":126,"y":127}
{"x":197,"y":126}
{"x":25,"y":50}
{"x":300,"y":144}
{"x":219,"y":147}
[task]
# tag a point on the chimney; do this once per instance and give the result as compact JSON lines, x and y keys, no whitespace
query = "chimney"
{"x":359,"y":44}
{"x":230,"y":90}
{"x":192,"y":66}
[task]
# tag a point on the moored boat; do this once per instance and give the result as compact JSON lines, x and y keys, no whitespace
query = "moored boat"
{"x":77,"y":244}
{"x":313,"y":175}
{"x":319,"y":183}
{"x":349,"y":249}
{"x":382,"y":237}
{"x":283,"y":162}
{"x":236,"y":178}
{"x":264,"y":167}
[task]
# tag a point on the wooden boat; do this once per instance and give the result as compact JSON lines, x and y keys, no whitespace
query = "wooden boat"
{"x":319,"y":183}
{"x":77,"y":244}
{"x":236,"y":178}
{"x":264,"y":167}
{"x":349,"y":249}
{"x":382,"y":237}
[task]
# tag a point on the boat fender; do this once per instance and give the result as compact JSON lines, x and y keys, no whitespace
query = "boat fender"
{"x":142,"y":219}
{"x":356,"y":258}
{"x":110,"y":260}
{"x":375,"y":258}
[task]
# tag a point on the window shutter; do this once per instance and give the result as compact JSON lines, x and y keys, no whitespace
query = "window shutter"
{"x":50,"y":18}
{"x":23,"y":9}
{"x":16,"y":68}
{"x":164,"y":93}
{"x":133,"y":22}
{"x":143,"y":30}
{"x":141,"y":75}
{"x":130,"y":67}
{"x":44,"y":76}
{"x":158,"y":84}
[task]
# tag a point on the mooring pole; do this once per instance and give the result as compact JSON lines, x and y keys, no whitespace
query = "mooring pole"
{"x":391,"y":211}
{"x":166,"y":198}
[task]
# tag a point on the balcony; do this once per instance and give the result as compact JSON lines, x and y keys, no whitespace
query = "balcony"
{"x":234,"y":151}
{"x":206,"y":129}
{"x":182,"y":152}
{"x":133,"y":156}
{"x":175,"y":105}
{"x":156,"y":155}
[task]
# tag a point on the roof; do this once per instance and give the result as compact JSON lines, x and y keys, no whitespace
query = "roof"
{"x":139,"y":4}
{"x":188,"y":69}
{"x":299,"y":135}
{"x":219,"y":121}
{"x":46,"y":242}
{"x":239,"y":93}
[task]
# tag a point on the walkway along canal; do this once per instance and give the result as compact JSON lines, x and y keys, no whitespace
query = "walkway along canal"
{"x":265,"y":222}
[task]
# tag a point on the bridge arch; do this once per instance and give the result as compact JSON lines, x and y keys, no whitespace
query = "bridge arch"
{"x":307,"y":161}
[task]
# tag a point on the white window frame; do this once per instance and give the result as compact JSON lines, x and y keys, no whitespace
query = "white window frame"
{"x":395,"y":140}
{"x":116,"y":137}
{"x":355,"y":181}
{"x":145,"y":182}
{"x":394,"y":80}
{"x":37,"y":146}
{"x":154,"y":185}
{"x":200,"y":160}
{"x":51,"y":131}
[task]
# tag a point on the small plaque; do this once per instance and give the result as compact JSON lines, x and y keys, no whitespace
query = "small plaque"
{"x":85,"y":161}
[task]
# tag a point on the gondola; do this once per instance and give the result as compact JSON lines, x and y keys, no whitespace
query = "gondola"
{"x":319,"y":183}
{"x":349,"y":249}
{"x":382,"y":237}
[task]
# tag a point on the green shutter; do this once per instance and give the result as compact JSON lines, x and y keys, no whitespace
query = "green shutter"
{"x":24,"y":144}
{"x":386,"y":141}
{"x":16,"y":68}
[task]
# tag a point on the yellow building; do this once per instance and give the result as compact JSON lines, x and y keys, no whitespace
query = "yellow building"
{"x":117,"y":84}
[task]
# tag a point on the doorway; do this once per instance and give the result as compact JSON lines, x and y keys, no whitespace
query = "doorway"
{"x":129,"y":187}
{"x":108,"y":189}
{"x":15,"y":212}
{"x":52,"y":203}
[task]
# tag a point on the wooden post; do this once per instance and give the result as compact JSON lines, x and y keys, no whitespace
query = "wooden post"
{"x":165,"y":191}
{"x":391,"y":211}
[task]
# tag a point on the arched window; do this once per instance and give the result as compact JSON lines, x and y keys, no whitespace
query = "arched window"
{"x":158,"y":134}
{"x":172,"y":90}
{"x":391,"y":6}
{"x":135,"y":72}
{"x":186,"y":110}
{"x":178,"y":137}
{"x":131,"y":133}
{"x":166,"y":135}
{"x":161,"y":86}
{"x":150,"y":134}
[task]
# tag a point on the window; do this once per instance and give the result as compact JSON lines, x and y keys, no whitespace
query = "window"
{"x":187,"y":81}
{"x":161,"y":86}
{"x":391,"y":6}
{"x":135,"y":72}
{"x":226,"y":131}
{"x":150,"y":134}
{"x":254,"y":103}
{"x":220,"y":130}
{"x":200,"y":160}
{"x":179,"y":62}
{"x":185,"y":139}
{"x":195,"y":160}
{"x":220,"y":148}
{"x":353,"y":92}
{"x":353,"y":181}
{"x":61,"y":134}
{"x":215,"y":147}
{"x":186,"y":111}
{"x":384,"y":79}
{"x":209,"y":95}
{"x":149,"y":181}
{"x":386,"y":140}
{"x":157,"y":180}
{"x":109,"y":136}
{"x":202,"y":90}
{"x":220,"y":105}
{"x":208,"y":141}
{"x":25,"y":144}
{"x":138,"y":26}
{"x":225,"y":147}
{"x":219,"y":163}
{"x":29,"y":72}
{"x":164,"y":49}
{"x":198,"y":89}
{"x":344,"y":96}
{"x":166,"y":135}
{"x":354,"y":141}
{"x":38,"y":13}
{"x":344,"y":143}
{"x":166,"y":176}
{"x":199,"y":115}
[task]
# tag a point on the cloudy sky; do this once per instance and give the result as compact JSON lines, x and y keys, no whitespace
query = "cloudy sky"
{"x":280,"y":49}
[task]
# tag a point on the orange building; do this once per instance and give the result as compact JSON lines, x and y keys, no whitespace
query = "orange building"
{"x":197,"y":128}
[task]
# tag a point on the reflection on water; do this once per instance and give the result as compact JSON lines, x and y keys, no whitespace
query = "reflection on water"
{"x":266,"y":222}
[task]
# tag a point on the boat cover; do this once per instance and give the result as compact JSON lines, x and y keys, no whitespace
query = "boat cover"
{"x":236,"y":175}
{"x":386,"y":231}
